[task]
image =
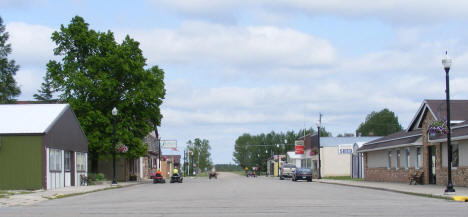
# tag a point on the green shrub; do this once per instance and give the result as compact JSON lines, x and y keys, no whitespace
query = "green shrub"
{"x":96,"y":177}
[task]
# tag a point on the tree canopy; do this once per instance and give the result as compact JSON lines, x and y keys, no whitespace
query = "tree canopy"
{"x":251,"y":150}
{"x":381,"y":123}
{"x":45,"y":93}
{"x":200,"y":154}
{"x":8,"y":68}
{"x":97,"y":74}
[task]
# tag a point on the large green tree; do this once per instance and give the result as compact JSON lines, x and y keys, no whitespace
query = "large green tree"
{"x":380,"y":123}
{"x":8,"y":68}
{"x":201,"y":156}
{"x":97,"y":74}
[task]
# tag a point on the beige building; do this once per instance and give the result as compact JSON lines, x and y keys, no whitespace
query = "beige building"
{"x":335,"y":154}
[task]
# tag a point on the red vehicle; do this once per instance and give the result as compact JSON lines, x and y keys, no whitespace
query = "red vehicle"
{"x":158,"y":178}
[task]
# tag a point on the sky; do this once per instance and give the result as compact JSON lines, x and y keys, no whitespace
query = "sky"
{"x":237,"y":66}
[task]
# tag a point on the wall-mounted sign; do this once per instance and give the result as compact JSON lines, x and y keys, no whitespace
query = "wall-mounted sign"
{"x":299,"y":148}
{"x":167,"y":144}
{"x":345,"y":149}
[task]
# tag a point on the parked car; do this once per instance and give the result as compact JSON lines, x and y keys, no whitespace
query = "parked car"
{"x":287,"y":171}
{"x":302,"y":174}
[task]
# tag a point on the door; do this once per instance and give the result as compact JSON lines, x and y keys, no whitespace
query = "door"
{"x":432,"y":165}
{"x":67,"y":167}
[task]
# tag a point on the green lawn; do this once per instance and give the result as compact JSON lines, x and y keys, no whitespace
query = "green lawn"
{"x":343,"y":178}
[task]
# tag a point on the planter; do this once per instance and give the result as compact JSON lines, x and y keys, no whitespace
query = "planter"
{"x":132,"y":178}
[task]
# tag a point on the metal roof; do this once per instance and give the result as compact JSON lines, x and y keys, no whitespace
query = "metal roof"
{"x":29,"y":118}
{"x":335,"y":141}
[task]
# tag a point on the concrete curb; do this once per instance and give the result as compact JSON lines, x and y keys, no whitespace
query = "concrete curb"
{"x":445,"y":197}
{"x":58,"y":196}
{"x":39,"y":196}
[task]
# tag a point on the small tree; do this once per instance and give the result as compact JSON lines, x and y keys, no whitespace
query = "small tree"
{"x":380,"y":123}
{"x":46,"y":91}
{"x":8,"y":68}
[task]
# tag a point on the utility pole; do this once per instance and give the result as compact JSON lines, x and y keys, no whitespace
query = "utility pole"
{"x":318,"y":139}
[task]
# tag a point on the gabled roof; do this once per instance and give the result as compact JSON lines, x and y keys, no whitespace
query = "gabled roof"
{"x":438,"y":109}
{"x":311,"y":140}
{"x":29,"y":118}
{"x":397,"y":139}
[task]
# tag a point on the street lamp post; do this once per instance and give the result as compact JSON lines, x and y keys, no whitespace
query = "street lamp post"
{"x":114,"y":113}
{"x":447,"y":62}
{"x":318,"y":142}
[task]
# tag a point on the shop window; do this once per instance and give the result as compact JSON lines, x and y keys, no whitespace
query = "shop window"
{"x":80,"y":162}
{"x":67,"y":161}
{"x":407,"y":158}
{"x":418,"y":158}
{"x":389,"y":160}
{"x":397,"y":159}
{"x":455,"y":155}
{"x":55,"y":160}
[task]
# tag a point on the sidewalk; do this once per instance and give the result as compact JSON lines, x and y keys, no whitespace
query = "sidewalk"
{"x":436,"y":191}
{"x":42,"y":195}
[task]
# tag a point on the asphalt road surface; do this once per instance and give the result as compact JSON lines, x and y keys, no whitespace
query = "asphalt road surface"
{"x":233,"y":195}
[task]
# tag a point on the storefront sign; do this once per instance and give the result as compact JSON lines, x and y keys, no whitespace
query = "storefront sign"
{"x":299,"y":147}
{"x":167,"y":144}
{"x":345,"y":149}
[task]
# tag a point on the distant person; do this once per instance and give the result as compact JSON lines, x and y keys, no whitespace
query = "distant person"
{"x":213,"y":170}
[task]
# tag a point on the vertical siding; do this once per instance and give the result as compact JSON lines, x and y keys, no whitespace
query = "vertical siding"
{"x":21,"y":162}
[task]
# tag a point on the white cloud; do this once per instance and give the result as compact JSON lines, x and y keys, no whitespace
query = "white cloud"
{"x":21,"y":3}
{"x":31,"y":44}
{"x":401,"y":11}
{"x":29,"y":81}
{"x":268,"y":46}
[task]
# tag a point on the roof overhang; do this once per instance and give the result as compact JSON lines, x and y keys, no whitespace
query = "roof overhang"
{"x":419,"y":115}
{"x":390,"y":147}
{"x":22,"y":134}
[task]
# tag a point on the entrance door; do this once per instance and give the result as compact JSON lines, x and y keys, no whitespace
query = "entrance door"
{"x":432,"y":166}
{"x":67,"y":164}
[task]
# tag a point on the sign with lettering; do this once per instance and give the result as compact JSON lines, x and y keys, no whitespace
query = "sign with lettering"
{"x":167,"y":144}
{"x":299,"y":148}
{"x":345,"y":149}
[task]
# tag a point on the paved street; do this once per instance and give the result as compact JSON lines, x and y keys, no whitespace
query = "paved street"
{"x":233,"y":195}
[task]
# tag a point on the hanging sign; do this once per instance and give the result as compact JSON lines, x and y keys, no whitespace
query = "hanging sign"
{"x":168,"y":144}
{"x":299,"y":148}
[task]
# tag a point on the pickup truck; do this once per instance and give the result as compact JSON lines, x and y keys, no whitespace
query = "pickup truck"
{"x":287,"y":171}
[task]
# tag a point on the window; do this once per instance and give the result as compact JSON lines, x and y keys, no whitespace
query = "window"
{"x":407,"y":159}
{"x":418,"y":158}
{"x":389,"y":160}
{"x":55,"y":160}
{"x":80,"y":162}
{"x":397,"y":159}
{"x":67,"y":161}
{"x":454,"y":155}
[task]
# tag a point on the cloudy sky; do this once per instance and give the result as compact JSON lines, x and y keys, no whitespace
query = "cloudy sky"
{"x":235,"y":66}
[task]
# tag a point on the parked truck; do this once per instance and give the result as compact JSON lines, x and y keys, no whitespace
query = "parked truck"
{"x":287,"y":171}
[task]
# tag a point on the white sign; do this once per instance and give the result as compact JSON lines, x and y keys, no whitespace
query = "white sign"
{"x":345,"y":149}
{"x":168,"y":144}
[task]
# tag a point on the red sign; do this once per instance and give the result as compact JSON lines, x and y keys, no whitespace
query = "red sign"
{"x":299,"y":149}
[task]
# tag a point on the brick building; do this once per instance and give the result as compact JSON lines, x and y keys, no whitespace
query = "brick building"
{"x":394,"y":158}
